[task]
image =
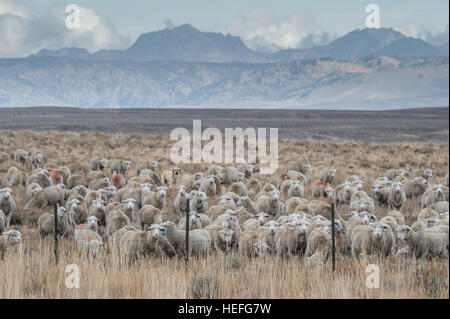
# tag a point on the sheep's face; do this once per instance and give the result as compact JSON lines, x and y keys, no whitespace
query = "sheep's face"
{"x":404,"y":232}
{"x":99,"y":204}
{"x":14,"y":237}
{"x":444,"y":216}
{"x":103,"y":162}
{"x":261,"y":248}
{"x":307,"y":168}
{"x":365,"y":218}
{"x":302,"y":227}
{"x":126,"y":165}
{"x":145,"y":187}
{"x":274,"y":195}
{"x":226,"y":236}
{"x":92,"y":222}
{"x":182,"y":190}
{"x":329,"y":192}
{"x":155,"y":231}
{"x":332,"y":173}
{"x":400,"y":172}
{"x":154,"y":165}
{"x":227,"y":220}
{"x":162,"y":191}
{"x":428,"y":173}
{"x":61,"y":213}
{"x":39,"y":158}
{"x":5,"y":195}
{"x":193,"y":218}
{"x":338,"y":226}
{"x":74,"y":204}
{"x":240,"y":177}
{"x":201,"y":197}
{"x":432,"y":221}
{"x":380,"y":229}
{"x":262,"y":218}
{"x":397,"y":187}
{"x":439,"y":189}
{"x":376,"y":189}
{"x":24,"y":155}
{"x":272,"y":226}
{"x":130,"y":203}
{"x":359,"y":185}
{"x":225,"y":200}
{"x":211,"y":180}
{"x":249,"y":169}
{"x":198,"y":176}
{"x":243,"y":201}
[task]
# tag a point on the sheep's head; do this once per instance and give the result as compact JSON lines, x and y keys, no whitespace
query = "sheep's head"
{"x":94,"y":247}
{"x":261,"y":248}
{"x":274,"y":195}
{"x":352,"y":214}
{"x":262,"y":218}
{"x":272,"y":226}
{"x":74,"y":204}
{"x":211,"y":180}
{"x":226,"y":200}
{"x":226,"y":236}
{"x":201,"y":197}
{"x":380,"y":229}
{"x":182,"y":190}
{"x":155,"y":231}
{"x":439,"y":189}
{"x":302,"y":227}
{"x":194,"y":218}
{"x":130,"y":203}
{"x":145,"y":187}
{"x":240,"y":177}
{"x":154,"y":165}
{"x":5,"y":194}
{"x":359,"y":185}
{"x":367,"y":218}
{"x":227,"y":220}
{"x":243,"y":201}
{"x":198,"y":176}
{"x":92,"y":223}
{"x":61,"y":212}
{"x":400,"y":172}
{"x":99,"y":204}
{"x":24,"y":155}
{"x":103,"y":162}
{"x":126,"y":165}
{"x":376,"y":189}
{"x":14,"y":237}
{"x":307,"y":168}
{"x":397,"y":187}
{"x":404,"y":232}
{"x":428,"y":173}
{"x":332,"y":172}
{"x":162,"y":191}
{"x":329,"y":191}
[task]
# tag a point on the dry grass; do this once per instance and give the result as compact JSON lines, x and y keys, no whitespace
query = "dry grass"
{"x":34,"y":274}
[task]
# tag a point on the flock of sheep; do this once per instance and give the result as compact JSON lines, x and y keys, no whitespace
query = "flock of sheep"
{"x":133,"y":210}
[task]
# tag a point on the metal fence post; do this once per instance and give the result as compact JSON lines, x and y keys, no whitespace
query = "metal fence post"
{"x":333,"y":239}
{"x":55,"y":231}
{"x":187,"y":233}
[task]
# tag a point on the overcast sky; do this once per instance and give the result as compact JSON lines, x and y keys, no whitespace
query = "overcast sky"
{"x":26,"y":26}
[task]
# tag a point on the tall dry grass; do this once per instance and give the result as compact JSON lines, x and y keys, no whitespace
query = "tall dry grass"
{"x":32,"y":273}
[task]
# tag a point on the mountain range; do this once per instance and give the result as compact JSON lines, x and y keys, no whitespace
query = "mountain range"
{"x":184,"y":67}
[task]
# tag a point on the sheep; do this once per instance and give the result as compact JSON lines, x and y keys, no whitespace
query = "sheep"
{"x":98,"y":164}
{"x":426,"y":173}
{"x":79,"y":189}
{"x":199,"y":239}
{"x":440,"y":207}
{"x":170,"y":177}
{"x":37,"y":160}
{"x":238,"y":188}
{"x":292,"y":240}
{"x":31,"y":190}
{"x":379,"y":193}
{"x":42,"y":177}
{"x":392,"y":173}
{"x":433,"y":195}
{"x":149,"y":215}
{"x":151,"y":174}
{"x":128,"y":206}
{"x":270,"y":204}
{"x":229,"y":175}
{"x":292,"y":188}
{"x":198,"y":202}
{"x":269,"y":231}
{"x":194,"y":222}
{"x":363,"y":204}
{"x":294,"y":202}
{"x":428,"y":213}
{"x":78,"y":212}
{"x":156,"y":199}
{"x":125,"y":193}
{"x":429,"y":242}
{"x":116,"y":220}
{"x":415,"y":188}
{"x":76,"y":179}
{"x":362,"y":240}
{"x":208,"y":185}
{"x":253,"y":187}
{"x":398,"y":216}
{"x":249,"y":205}
{"x":11,"y":239}
{"x":298,"y":166}
{"x":118,"y":181}
{"x":16,"y":177}
{"x":21,"y":156}
{"x":251,"y":244}
{"x":132,"y":243}
{"x":327,"y":175}
{"x":396,"y":196}
{"x":322,"y":189}
{"x":343,"y":193}
{"x":98,"y":210}
{"x":363,"y":218}
{"x":243,"y":215}
{"x":88,"y":241}
{"x":383,"y":241}
{"x":318,"y":207}
{"x":46,"y":223}
{"x":7,"y":204}
{"x":252,"y":224}
{"x":419,"y":225}
{"x":2,"y":221}
{"x":119,"y":166}
{"x":318,"y":248}
{"x":220,"y":238}
{"x":99,"y":184}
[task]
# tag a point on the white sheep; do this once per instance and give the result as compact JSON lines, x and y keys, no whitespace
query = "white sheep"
{"x":292,"y":240}
{"x":429,"y":242}
{"x":396,"y":196}
{"x":270,"y":204}
{"x":327,"y":175}
{"x":220,"y":238}
{"x":249,"y":205}
{"x":149,"y":215}
{"x":156,"y":199}
{"x":11,"y":239}
{"x":7,"y":204}
{"x":251,"y":244}
{"x":252,"y":224}
{"x":433,"y":195}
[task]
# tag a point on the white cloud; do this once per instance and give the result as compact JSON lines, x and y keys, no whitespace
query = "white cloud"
{"x":434,"y":35}
{"x":260,"y":32}
{"x":23,"y":33}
